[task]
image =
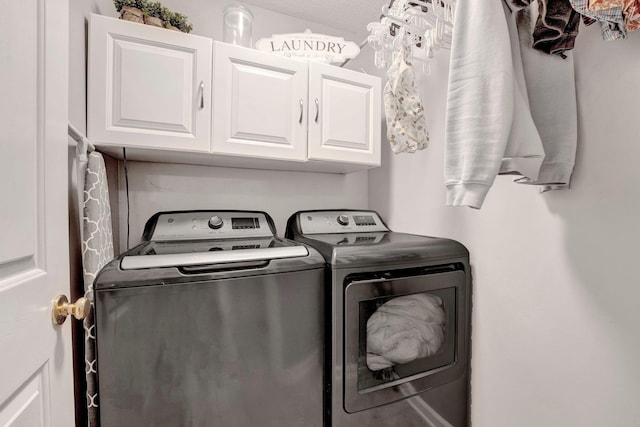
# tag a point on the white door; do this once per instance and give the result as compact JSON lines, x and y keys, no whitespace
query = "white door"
{"x":35,"y":356}
{"x":260,"y":104}
{"x":148,"y":86}
{"x":344,"y":117}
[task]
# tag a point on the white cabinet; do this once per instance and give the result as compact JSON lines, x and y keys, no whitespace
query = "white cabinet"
{"x":148,"y":86}
{"x":344,"y":124}
{"x":273,"y":107}
{"x":173,"y":97}
{"x":260,"y":104}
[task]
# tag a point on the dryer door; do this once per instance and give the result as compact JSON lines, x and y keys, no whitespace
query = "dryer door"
{"x":403,"y":335}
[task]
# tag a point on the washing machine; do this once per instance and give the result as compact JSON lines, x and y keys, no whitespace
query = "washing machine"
{"x":211,"y":321}
{"x":398,"y":340}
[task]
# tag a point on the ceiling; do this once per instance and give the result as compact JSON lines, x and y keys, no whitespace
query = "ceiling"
{"x":351,"y":15}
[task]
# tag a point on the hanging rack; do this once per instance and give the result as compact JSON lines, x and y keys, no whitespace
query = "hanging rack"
{"x":400,"y":23}
{"x":83,"y":146}
{"x":427,"y":25}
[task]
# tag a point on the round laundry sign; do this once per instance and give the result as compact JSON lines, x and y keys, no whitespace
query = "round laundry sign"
{"x":309,"y":46}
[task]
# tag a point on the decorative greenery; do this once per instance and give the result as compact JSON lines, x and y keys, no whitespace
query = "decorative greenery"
{"x":181,"y":22}
{"x":157,"y":10}
{"x":166,"y":15}
{"x":138,"y":4}
{"x":153,"y":9}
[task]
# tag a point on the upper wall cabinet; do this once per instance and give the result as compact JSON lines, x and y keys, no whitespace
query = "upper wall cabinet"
{"x":344,"y":124}
{"x":269,"y":106}
{"x":260,"y":104}
{"x":148,"y":86}
{"x":179,"y":98}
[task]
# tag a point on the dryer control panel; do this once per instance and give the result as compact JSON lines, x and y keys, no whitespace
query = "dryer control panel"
{"x":196,"y":225}
{"x":338,"y":221}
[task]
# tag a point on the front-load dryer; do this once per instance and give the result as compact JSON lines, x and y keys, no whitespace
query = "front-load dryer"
{"x":211,"y":321}
{"x":398,"y":349}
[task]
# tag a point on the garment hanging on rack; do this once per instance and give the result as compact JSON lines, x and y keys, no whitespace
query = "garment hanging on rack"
{"x":556,"y":27}
{"x":406,"y":125}
{"x":611,"y":20}
{"x":551,"y":88}
{"x":559,"y":20}
{"x":596,"y":5}
{"x":489,"y":128}
{"x":427,"y":25}
{"x":631,"y":13}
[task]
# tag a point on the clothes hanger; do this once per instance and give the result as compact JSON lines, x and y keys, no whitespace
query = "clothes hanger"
{"x":416,"y":23}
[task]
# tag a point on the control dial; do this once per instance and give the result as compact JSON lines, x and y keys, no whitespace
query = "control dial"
{"x":343,"y":220}
{"x":215,"y":222}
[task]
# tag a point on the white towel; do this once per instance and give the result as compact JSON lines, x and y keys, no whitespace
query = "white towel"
{"x":404,"y":329}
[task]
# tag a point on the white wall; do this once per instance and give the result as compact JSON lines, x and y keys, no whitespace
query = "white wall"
{"x":155,"y":187}
{"x":556,"y":295}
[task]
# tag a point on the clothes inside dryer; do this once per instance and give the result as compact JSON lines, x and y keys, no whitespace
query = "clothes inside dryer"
{"x":405,"y":335}
{"x":404,"y":329}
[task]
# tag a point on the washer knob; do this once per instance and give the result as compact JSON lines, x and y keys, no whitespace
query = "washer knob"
{"x":343,"y":220}
{"x":215,"y":222}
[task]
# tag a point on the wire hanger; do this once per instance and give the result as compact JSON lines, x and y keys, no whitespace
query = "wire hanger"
{"x":427,"y":25}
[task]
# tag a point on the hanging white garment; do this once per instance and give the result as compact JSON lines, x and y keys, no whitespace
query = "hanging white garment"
{"x":97,"y":250}
{"x":406,"y":125}
{"x":489,"y":128}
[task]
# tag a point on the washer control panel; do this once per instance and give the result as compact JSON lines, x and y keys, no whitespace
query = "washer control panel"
{"x":210,"y":225}
{"x":327,"y":222}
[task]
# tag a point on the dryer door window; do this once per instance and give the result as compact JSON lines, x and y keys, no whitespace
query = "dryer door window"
{"x":401,"y":336}
{"x":405,"y":336}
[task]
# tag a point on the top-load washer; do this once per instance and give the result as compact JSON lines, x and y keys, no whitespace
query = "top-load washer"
{"x":398,"y":347}
{"x":211,"y":321}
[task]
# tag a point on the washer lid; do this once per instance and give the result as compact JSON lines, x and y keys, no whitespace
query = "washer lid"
{"x":135,"y":262}
{"x":208,"y":252}
{"x":162,"y":263}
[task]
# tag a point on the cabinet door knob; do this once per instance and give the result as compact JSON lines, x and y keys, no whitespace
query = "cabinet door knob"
{"x":301,"y":110}
{"x":317,"y":110}
{"x":201,"y":94}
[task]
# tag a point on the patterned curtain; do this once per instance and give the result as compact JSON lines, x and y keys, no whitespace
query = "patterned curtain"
{"x":97,"y":250}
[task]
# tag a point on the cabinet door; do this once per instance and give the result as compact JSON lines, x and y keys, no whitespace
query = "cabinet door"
{"x":148,"y":86}
{"x":260,"y":104}
{"x":344,"y":117}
